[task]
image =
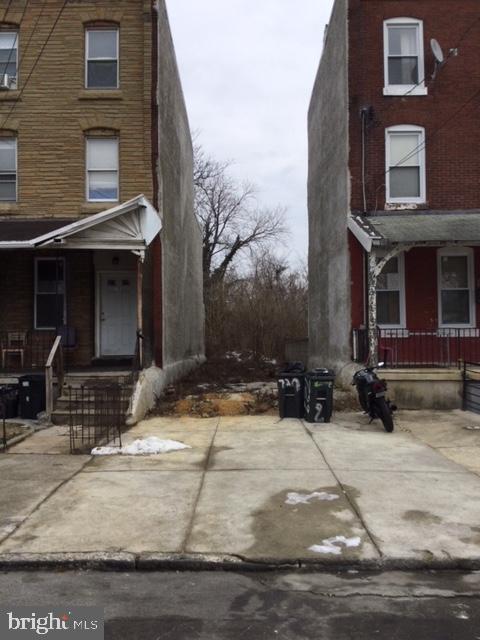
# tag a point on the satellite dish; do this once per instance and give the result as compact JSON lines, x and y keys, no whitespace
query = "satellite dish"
{"x":437,"y":51}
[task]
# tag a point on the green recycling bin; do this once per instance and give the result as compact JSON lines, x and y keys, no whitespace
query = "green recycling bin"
{"x":318,"y":403}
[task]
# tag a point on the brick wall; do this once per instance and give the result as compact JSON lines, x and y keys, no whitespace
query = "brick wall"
{"x":452,"y":154}
{"x":52,"y":113}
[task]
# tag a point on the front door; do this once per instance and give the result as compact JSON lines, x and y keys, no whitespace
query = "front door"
{"x":117,"y":313}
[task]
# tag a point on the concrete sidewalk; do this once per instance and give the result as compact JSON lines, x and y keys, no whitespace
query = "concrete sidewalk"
{"x":393,"y":500}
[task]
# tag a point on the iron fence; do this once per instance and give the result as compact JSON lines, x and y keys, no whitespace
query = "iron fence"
{"x":97,"y":414}
{"x":402,"y":348}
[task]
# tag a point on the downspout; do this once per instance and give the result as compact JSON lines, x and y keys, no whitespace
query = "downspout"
{"x":157,"y":276}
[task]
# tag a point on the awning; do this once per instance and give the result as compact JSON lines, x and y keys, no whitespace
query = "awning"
{"x":131,"y":225}
{"x":416,"y":228}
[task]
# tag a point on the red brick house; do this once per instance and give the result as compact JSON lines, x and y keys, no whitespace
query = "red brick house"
{"x":98,"y":238}
{"x":394,"y":197}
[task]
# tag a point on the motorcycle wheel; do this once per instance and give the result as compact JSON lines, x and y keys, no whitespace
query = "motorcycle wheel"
{"x":363,"y":401}
{"x":382,"y":411}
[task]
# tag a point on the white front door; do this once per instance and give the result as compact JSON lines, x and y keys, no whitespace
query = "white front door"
{"x":117,"y":313}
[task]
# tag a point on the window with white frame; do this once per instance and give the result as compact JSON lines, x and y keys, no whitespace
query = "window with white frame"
{"x":8,"y":169}
{"x":50,"y":301}
{"x":391,"y":294}
{"x":405,"y":164}
{"x":8,"y":59}
{"x":456,"y":299}
{"x":101,"y":68}
{"x":404,"y":57}
{"x":102,"y":170}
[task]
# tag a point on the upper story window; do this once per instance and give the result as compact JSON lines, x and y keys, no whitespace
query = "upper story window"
{"x":405,"y":164}
{"x":8,"y":169}
{"x":102,"y":170}
{"x":101,"y":68}
{"x":8,"y":59}
{"x":404,"y":57}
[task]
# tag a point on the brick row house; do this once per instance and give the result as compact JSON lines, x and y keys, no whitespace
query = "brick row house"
{"x":394,"y":196}
{"x":98,"y":238}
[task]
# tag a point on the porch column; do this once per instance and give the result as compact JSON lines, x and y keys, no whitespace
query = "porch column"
{"x":372,"y":310}
{"x":140,"y":261}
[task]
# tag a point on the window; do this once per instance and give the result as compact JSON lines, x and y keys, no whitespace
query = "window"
{"x":391,"y":294}
{"x":404,"y":57}
{"x":8,"y":59}
{"x":102,"y":59}
{"x":8,"y":169}
{"x":102,"y":169}
{"x":456,"y":299}
{"x":405,"y":164}
{"x":49,"y":293}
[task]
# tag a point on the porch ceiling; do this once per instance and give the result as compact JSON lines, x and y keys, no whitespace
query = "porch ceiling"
{"x":131,"y":225}
{"x":425,"y":227}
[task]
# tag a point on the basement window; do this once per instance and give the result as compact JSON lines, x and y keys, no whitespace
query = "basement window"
{"x":101,"y":68}
{"x":404,"y":57}
{"x":405,"y":164}
{"x":50,"y":307}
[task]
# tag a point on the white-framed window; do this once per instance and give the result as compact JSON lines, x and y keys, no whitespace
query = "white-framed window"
{"x":101,"y":64}
{"x":8,"y":59}
{"x":50,"y":299}
{"x":391,"y":294}
{"x":456,"y":292}
{"x":405,"y":164}
{"x":404,"y":57}
{"x":102,"y":170}
{"x":8,"y":169}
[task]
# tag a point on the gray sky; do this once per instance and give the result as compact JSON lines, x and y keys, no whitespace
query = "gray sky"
{"x":247,"y":69}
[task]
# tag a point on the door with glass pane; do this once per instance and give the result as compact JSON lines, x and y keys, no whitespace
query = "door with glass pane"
{"x":117,"y":313}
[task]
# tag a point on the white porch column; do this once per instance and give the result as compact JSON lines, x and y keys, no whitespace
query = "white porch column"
{"x":372,"y":310}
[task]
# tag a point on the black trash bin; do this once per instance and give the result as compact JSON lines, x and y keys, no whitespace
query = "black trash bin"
{"x":319,"y":395}
{"x":31,"y":395}
{"x":8,"y":401}
{"x":291,"y":382}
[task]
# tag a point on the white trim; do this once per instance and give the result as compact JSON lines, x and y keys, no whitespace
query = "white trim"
{"x":87,"y":59}
{"x":362,"y":236}
{"x":405,"y":89}
{"x":401,"y":289}
{"x":15,"y":139}
{"x":16,"y":34}
{"x":116,"y":170}
{"x":468,"y":253}
{"x":420,"y":150}
{"x":35,"y":292}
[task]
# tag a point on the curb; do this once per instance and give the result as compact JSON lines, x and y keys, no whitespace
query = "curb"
{"x":162,"y":562}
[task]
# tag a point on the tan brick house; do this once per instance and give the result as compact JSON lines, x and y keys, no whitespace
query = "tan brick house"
{"x":98,"y":239}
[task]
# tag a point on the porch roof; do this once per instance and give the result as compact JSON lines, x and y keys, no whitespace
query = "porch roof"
{"x":416,"y":228}
{"x":131,"y":225}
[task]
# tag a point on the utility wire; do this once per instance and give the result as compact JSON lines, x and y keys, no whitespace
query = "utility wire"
{"x":37,"y":60}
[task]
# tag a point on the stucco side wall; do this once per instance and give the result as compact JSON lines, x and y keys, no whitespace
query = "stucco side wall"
{"x":328,"y":201}
{"x":183,"y":310}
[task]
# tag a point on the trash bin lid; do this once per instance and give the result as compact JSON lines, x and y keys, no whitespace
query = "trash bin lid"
{"x":322,"y":373}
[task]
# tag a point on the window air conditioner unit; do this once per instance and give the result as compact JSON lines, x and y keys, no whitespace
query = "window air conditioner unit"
{"x":5,"y":81}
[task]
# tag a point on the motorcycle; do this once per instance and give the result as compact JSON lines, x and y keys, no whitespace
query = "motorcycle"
{"x":372,"y":396}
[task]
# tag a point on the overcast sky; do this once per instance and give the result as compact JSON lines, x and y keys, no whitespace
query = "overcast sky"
{"x":247,"y":69}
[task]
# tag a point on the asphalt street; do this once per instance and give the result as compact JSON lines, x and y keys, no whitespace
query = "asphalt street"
{"x":283,"y":606}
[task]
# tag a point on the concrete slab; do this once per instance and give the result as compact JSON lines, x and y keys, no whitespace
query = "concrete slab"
{"x":421,"y":516}
{"x":244,"y":513}
{"x":442,"y":428}
{"x":178,"y":423}
{"x":54,"y":440}
{"x":185,"y":459}
{"x":467,"y":457}
{"x":265,"y":449}
{"x":27,"y":481}
{"x":256,"y":423}
{"x":379,"y":451}
{"x":112,"y":512}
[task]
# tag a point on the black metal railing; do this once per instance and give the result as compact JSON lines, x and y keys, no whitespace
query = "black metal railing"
{"x":97,"y":414}
{"x":471,"y":386}
{"x":399,"y":348}
{"x":24,"y":350}
{"x":137,"y":360}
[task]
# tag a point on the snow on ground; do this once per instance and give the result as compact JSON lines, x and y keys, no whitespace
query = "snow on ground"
{"x":304,"y":498}
{"x":334,"y":545}
{"x":142,"y":447}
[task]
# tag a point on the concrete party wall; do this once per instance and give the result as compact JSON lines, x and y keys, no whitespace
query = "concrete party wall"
{"x":328,"y":201}
{"x":183,"y":309}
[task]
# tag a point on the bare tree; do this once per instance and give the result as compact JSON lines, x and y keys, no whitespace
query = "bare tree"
{"x":231,"y":219}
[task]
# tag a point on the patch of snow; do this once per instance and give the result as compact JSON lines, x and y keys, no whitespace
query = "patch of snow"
{"x":304,"y":498}
{"x":142,"y":447}
{"x":473,"y":428}
{"x":334,"y":545}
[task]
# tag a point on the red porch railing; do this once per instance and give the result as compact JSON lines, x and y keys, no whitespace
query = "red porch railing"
{"x":402,"y":348}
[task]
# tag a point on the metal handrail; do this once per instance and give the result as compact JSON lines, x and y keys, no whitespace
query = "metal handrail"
{"x":55,"y":356}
